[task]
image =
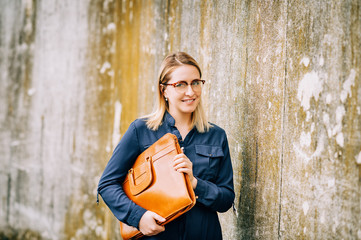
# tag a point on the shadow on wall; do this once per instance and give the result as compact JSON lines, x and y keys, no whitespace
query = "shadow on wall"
{"x":248,"y":191}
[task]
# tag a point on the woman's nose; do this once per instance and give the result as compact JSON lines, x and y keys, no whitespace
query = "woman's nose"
{"x":189,"y":91}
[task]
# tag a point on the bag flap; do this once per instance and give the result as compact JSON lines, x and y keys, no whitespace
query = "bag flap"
{"x":140,"y":177}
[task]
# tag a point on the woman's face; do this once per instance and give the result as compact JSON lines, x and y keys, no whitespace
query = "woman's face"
{"x":183,"y":101}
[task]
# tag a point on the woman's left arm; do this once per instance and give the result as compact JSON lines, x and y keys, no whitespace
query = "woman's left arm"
{"x":218,"y":196}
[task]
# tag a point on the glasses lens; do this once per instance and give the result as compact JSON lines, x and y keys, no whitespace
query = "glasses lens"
{"x":182,"y":86}
{"x":197,"y":85}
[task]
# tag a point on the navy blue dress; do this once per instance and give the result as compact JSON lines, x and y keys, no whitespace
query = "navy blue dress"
{"x":212,"y":167}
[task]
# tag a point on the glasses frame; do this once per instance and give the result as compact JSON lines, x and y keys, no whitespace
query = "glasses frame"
{"x":174,"y":84}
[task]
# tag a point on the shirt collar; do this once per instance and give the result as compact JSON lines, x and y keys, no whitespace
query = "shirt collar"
{"x":168,"y":119}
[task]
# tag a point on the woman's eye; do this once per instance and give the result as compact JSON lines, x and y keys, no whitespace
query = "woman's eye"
{"x":180,"y":85}
{"x":195,"y":82}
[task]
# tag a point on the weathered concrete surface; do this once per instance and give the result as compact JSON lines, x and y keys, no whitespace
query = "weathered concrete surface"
{"x":322,"y":122}
{"x":283,"y":79}
{"x":56,"y":120}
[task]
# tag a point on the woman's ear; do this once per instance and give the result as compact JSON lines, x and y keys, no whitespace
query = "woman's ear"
{"x":164,"y":91}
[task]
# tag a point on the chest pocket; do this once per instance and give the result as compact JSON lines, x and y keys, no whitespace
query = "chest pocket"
{"x":208,"y":161}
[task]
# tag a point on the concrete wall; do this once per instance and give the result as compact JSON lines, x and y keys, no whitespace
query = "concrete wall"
{"x":283,"y":79}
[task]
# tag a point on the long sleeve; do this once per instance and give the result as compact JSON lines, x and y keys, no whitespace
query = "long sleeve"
{"x":218,"y":195}
{"x":110,"y":184}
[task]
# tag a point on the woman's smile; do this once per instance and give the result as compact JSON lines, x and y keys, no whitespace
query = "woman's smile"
{"x":189,"y":100}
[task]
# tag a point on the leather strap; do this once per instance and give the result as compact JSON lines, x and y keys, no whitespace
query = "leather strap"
{"x":135,"y":189}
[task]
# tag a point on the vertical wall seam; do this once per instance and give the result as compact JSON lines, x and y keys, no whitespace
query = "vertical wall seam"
{"x":167,"y":41}
{"x":8,"y":199}
{"x":245,"y":15}
{"x":256,"y":173}
{"x":283,"y":129}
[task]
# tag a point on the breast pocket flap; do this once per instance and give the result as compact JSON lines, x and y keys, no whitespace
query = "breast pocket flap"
{"x":209,"y":151}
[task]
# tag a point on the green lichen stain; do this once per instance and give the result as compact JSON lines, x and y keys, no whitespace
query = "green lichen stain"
{"x":12,"y":234}
{"x":127,"y":60}
{"x":84,"y":219}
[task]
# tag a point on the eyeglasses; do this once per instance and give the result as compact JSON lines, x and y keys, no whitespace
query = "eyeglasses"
{"x":182,"y":86}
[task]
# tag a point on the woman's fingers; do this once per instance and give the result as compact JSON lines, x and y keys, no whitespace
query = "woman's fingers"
{"x":148,"y":223}
{"x":158,"y":217}
{"x":182,"y":163}
{"x":181,"y":158}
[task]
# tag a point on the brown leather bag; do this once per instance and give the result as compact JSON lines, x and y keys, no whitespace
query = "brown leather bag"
{"x":153,"y":184}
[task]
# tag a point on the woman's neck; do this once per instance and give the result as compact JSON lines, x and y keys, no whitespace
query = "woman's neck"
{"x":183,"y":122}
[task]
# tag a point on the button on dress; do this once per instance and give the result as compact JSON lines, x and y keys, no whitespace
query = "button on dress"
{"x":209,"y":153}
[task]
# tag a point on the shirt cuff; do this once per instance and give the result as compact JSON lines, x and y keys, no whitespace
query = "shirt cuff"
{"x":135,"y":216}
{"x":201,"y":189}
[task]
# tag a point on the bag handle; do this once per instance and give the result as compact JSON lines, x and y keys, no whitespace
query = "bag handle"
{"x":140,"y":187}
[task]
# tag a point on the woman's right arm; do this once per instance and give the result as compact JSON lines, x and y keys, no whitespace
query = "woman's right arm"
{"x":110,"y":184}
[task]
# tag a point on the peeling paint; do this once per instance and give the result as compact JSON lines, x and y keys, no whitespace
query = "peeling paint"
{"x":31,"y":91}
{"x":310,"y":86}
{"x":331,"y":182}
{"x":329,"y":98}
{"x":321,"y":61}
{"x":105,"y":67}
{"x":340,"y":139}
{"x":337,"y":130}
{"x":305,"y":139}
{"x":117,"y":121}
{"x":358,"y":158}
{"x":350,"y":81}
{"x":305,"y":61}
{"x":305,"y":208}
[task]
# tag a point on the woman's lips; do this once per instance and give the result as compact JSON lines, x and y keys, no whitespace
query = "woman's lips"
{"x":188,"y":100}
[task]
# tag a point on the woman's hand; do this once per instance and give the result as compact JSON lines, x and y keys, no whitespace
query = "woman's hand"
{"x":184,"y":165}
{"x":148,"y":225}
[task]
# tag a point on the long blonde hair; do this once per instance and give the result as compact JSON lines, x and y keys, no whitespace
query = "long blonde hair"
{"x":169,"y":64}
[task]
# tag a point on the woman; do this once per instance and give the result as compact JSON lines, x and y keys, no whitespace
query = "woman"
{"x":206,"y":157}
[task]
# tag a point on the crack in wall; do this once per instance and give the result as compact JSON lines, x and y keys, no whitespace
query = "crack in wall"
{"x":283,"y":128}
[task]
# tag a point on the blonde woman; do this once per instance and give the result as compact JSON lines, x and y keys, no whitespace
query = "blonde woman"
{"x":206,"y":157}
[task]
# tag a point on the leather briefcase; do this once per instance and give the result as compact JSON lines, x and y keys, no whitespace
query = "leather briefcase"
{"x":153,"y":184}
